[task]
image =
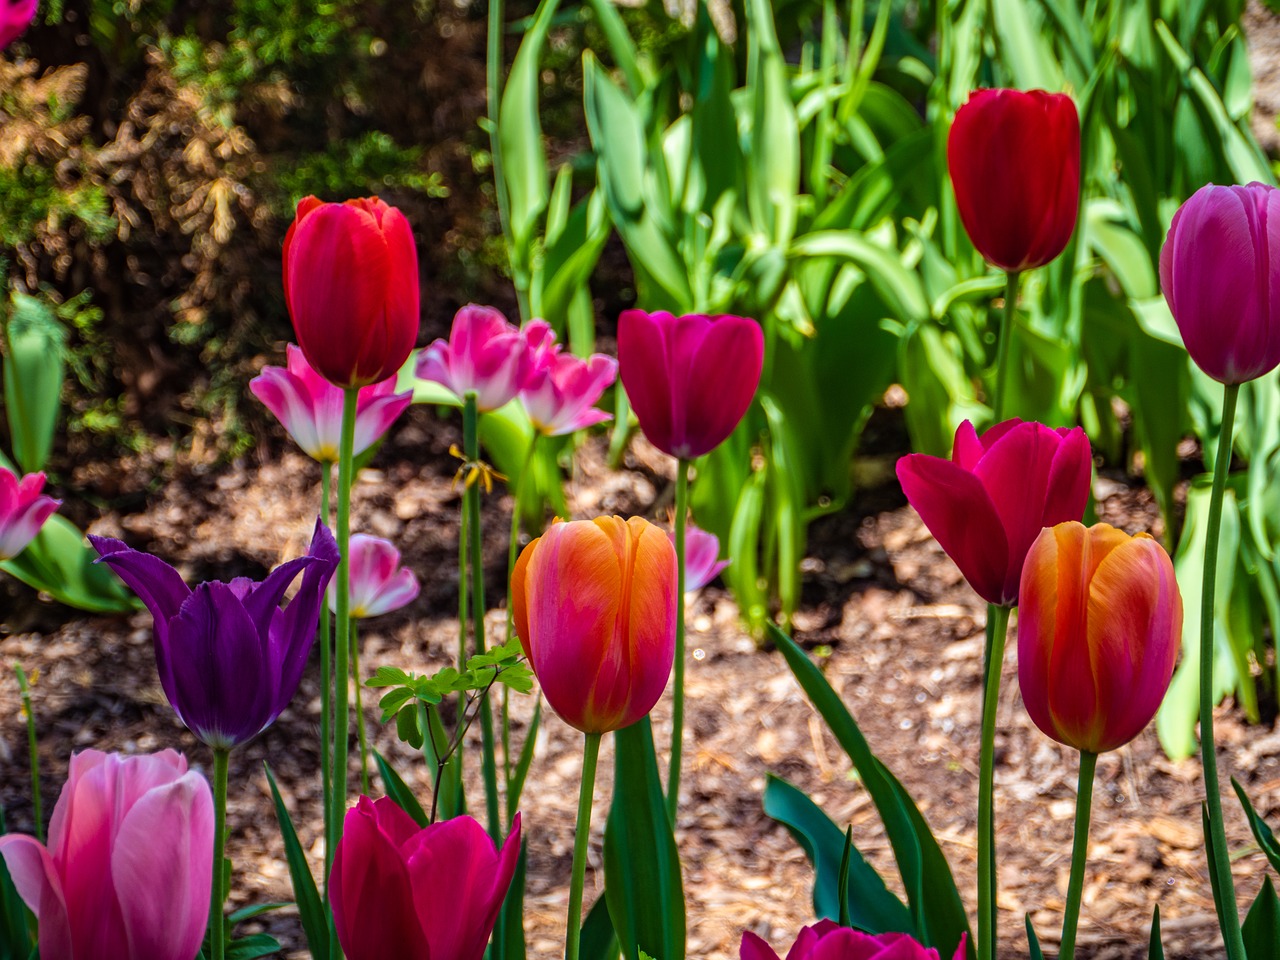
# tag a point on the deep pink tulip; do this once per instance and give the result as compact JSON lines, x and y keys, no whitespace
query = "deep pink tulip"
{"x":1220,"y":272}
{"x":484,"y":355}
{"x":310,"y":407}
{"x":23,"y":511}
{"x":129,"y":865}
{"x":561,"y":393}
{"x":690,"y":379}
{"x":378,"y":583}
{"x":420,"y":893}
{"x":15,"y":17}
{"x":827,"y":940}
{"x":351,"y":285}
{"x":1099,"y":627}
{"x":988,"y":503}
{"x":701,"y":550}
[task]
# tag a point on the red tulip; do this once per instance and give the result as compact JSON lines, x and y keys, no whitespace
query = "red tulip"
{"x":827,"y":940}
{"x":1014,"y":158}
{"x":1099,"y":627}
{"x":690,"y":379}
{"x":988,"y":503}
{"x":351,"y":284}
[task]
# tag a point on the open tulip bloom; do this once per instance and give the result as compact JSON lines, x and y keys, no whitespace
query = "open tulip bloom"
{"x":702,"y":549}
{"x":23,"y":511}
{"x":561,"y":396}
{"x":378,"y":583}
{"x":484,"y":355}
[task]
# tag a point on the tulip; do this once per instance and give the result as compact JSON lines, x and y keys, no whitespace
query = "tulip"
{"x":15,"y":17}
{"x":484,"y":355}
{"x":389,"y":889}
{"x":23,"y":510}
{"x":229,"y":658}
{"x":701,"y":565}
{"x":988,"y":503}
{"x":1014,"y":158}
{"x":827,"y":940}
{"x":351,"y":285}
{"x":378,"y":583}
{"x":1099,"y":626}
{"x":310,"y":407}
{"x":1220,"y":273}
{"x":127,"y":871}
{"x":690,"y":379}
{"x":594,"y":605}
{"x":561,"y":392}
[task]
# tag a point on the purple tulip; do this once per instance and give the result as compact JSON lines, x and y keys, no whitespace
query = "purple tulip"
{"x":690,"y":379}
{"x":701,"y":548}
{"x":310,"y":407}
{"x":562,"y":390}
{"x":229,"y":658}
{"x":484,"y":355}
{"x":15,"y":17}
{"x":378,"y":583}
{"x":23,"y":510}
{"x":1220,"y":272}
{"x":129,"y":864}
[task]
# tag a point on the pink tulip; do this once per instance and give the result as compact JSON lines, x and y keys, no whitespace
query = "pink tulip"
{"x":419,"y":893}
{"x":129,"y":865}
{"x":484,"y":355}
{"x":23,"y":511}
{"x":988,"y":503}
{"x":827,"y":940}
{"x":561,"y":393}
{"x":310,"y":407}
{"x":690,"y":379}
{"x":15,"y":17}
{"x":378,"y":583}
{"x":701,"y":548}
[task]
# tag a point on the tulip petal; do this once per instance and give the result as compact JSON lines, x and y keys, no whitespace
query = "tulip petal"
{"x":644,"y":365}
{"x":755,"y":948}
{"x":720,"y":380}
{"x":36,"y":879}
{"x":650,"y":574}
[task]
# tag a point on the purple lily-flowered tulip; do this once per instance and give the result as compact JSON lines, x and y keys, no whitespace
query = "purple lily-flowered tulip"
{"x":229,"y":657}
{"x":701,"y":548}
{"x":378,"y":583}
{"x":23,"y":510}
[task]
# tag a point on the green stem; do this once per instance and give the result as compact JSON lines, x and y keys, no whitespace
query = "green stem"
{"x":997,"y":629}
{"x":1006,"y":335}
{"x":1079,"y":855}
{"x":493,"y":93}
{"x":326,"y":667}
{"x":677,"y":708}
{"x":32,"y":752}
{"x":471,"y":448}
{"x":360,"y":725}
{"x":1220,"y":865}
{"x":582,"y":834}
{"x":217,"y":929}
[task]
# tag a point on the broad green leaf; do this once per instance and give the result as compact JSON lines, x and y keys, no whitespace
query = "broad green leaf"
{"x":317,"y":924}
{"x":399,"y":791}
{"x":60,"y":563}
{"x":940,"y":395}
{"x":1262,"y":925}
{"x":1023,"y":49}
{"x":1155,"y":946}
{"x":1261,"y":831}
{"x":773,"y":163}
{"x":33,"y":373}
{"x":598,"y":941}
{"x":899,"y":287}
{"x":253,"y":946}
{"x":15,"y":939}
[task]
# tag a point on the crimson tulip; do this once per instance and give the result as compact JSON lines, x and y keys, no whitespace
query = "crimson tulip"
{"x":15,"y":17}
{"x":351,"y":285}
{"x":1014,"y":158}
{"x":827,"y":940}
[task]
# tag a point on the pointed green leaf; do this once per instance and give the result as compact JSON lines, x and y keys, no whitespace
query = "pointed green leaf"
{"x":1261,"y":831}
{"x":399,"y":791}
{"x":316,"y":921}
{"x":1262,"y":925}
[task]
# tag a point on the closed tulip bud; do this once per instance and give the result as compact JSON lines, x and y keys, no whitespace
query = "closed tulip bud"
{"x":987,"y":504}
{"x":351,"y":284}
{"x":129,"y":865}
{"x":15,"y":17}
{"x":594,"y":604}
{"x":690,"y":379}
{"x":1014,"y":158}
{"x":484,"y":355}
{"x":827,"y":940}
{"x":23,"y":511}
{"x":1220,"y":272}
{"x":1099,"y":626}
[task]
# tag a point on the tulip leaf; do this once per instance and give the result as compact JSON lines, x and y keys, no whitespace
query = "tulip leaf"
{"x":399,"y":791}
{"x":515,"y":785}
{"x":33,"y":374}
{"x":1155,"y":948}
{"x":61,"y":564}
{"x":316,"y":921}
{"x":899,"y":287}
{"x":1033,"y":941}
{"x":871,"y":906}
{"x":641,"y":862}
{"x":15,"y":939}
{"x":598,"y":941}
{"x":773,"y":161}
{"x":1261,"y":831}
{"x":508,"y":933}
{"x":936,"y":908}
{"x":253,"y":946}
{"x":1262,"y":925}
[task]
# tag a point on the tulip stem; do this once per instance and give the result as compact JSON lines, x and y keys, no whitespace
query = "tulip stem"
{"x":1219,"y":865}
{"x":326,"y":666}
{"x":1006,"y":335}
{"x":471,"y":496}
{"x":342,"y":645}
{"x":581,"y":836}
{"x":1079,"y":855}
{"x":360,"y":728}
{"x":997,"y":629}
{"x":32,"y":752}
{"x":217,"y":928}
{"x":677,"y":707}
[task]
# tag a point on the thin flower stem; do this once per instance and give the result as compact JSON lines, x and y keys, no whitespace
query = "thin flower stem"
{"x":326,"y":666}
{"x":1079,"y":855}
{"x":217,"y":928}
{"x":32,"y":752}
{"x":1220,"y":864}
{"x":997,"y":630}
{"x":493,"y":92}
{"x":1006,"y":335}
{"x":360,"y":725}
{"x":677,"y":709}
{"x":581,"y":836}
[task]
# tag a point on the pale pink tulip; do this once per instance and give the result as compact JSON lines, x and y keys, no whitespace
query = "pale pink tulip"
{"x":484,"y":355}
{"x":701,"y":549}
{"x":378,"y":583}
{"x":23,"y":511}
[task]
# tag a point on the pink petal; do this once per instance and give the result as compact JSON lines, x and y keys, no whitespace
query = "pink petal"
{"x":36,"y":878}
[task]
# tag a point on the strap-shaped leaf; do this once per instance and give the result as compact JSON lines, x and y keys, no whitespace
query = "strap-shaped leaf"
{"x":316,"y":922}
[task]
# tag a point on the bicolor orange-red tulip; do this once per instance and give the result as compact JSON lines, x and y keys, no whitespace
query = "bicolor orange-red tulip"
{"x":1099,"y":625}
{"x":594,"y":603}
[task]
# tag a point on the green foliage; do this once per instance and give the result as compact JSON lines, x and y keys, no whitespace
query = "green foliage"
{"x":31,"y":196}
{"x":358,"y":166}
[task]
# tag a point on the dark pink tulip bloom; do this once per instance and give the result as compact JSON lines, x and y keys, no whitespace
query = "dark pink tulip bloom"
{"x":15,"y":17}
{"x":691,"y":378}
{"x":562,"y":390}
{"x":23,"y":511}
{"x":701,"y":549}
{"x":1220,"y":272}
{"x":310,"y":407}
{"x":378,"y":583}
{"x":827,"y":940}
{"x":387,"y":889}
{"x":484,"y":355}
{"x":988,"y":503}
{"x":129,"y":864}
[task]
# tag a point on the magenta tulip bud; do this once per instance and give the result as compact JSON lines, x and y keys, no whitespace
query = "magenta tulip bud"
{"x":690,"y":379}
{"x":129,"y":864}
{"x":378,"y":583}
{"x":484,"y":355}
{"x":15,"y":17}
{"x":987,"y":504}
{"x":827,"y":940}
{"x":701,"y":548}
{"x":23,"y":511}
{"x":1220,"y":272}
{"x":310,"y":407}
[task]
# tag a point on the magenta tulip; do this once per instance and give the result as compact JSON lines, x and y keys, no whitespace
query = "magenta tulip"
{"x":23,"y":511}
{"x":1220,"y":272}
{"x":988,"y":503}
{"x":378,"y":583}
{"x":128,"y":868}
{"x":562,"y":390}
{"x":484,"y":355}
{"x":701,"y":566}
{"x":827,"y":940}
{"x":15,"y":17}
{"x":690,"y":379}
{"x":418,"y":893}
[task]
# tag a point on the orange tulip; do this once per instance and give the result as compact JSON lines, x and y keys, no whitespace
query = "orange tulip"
{"x":594,"y":603}
{"x":1099,"y":625}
